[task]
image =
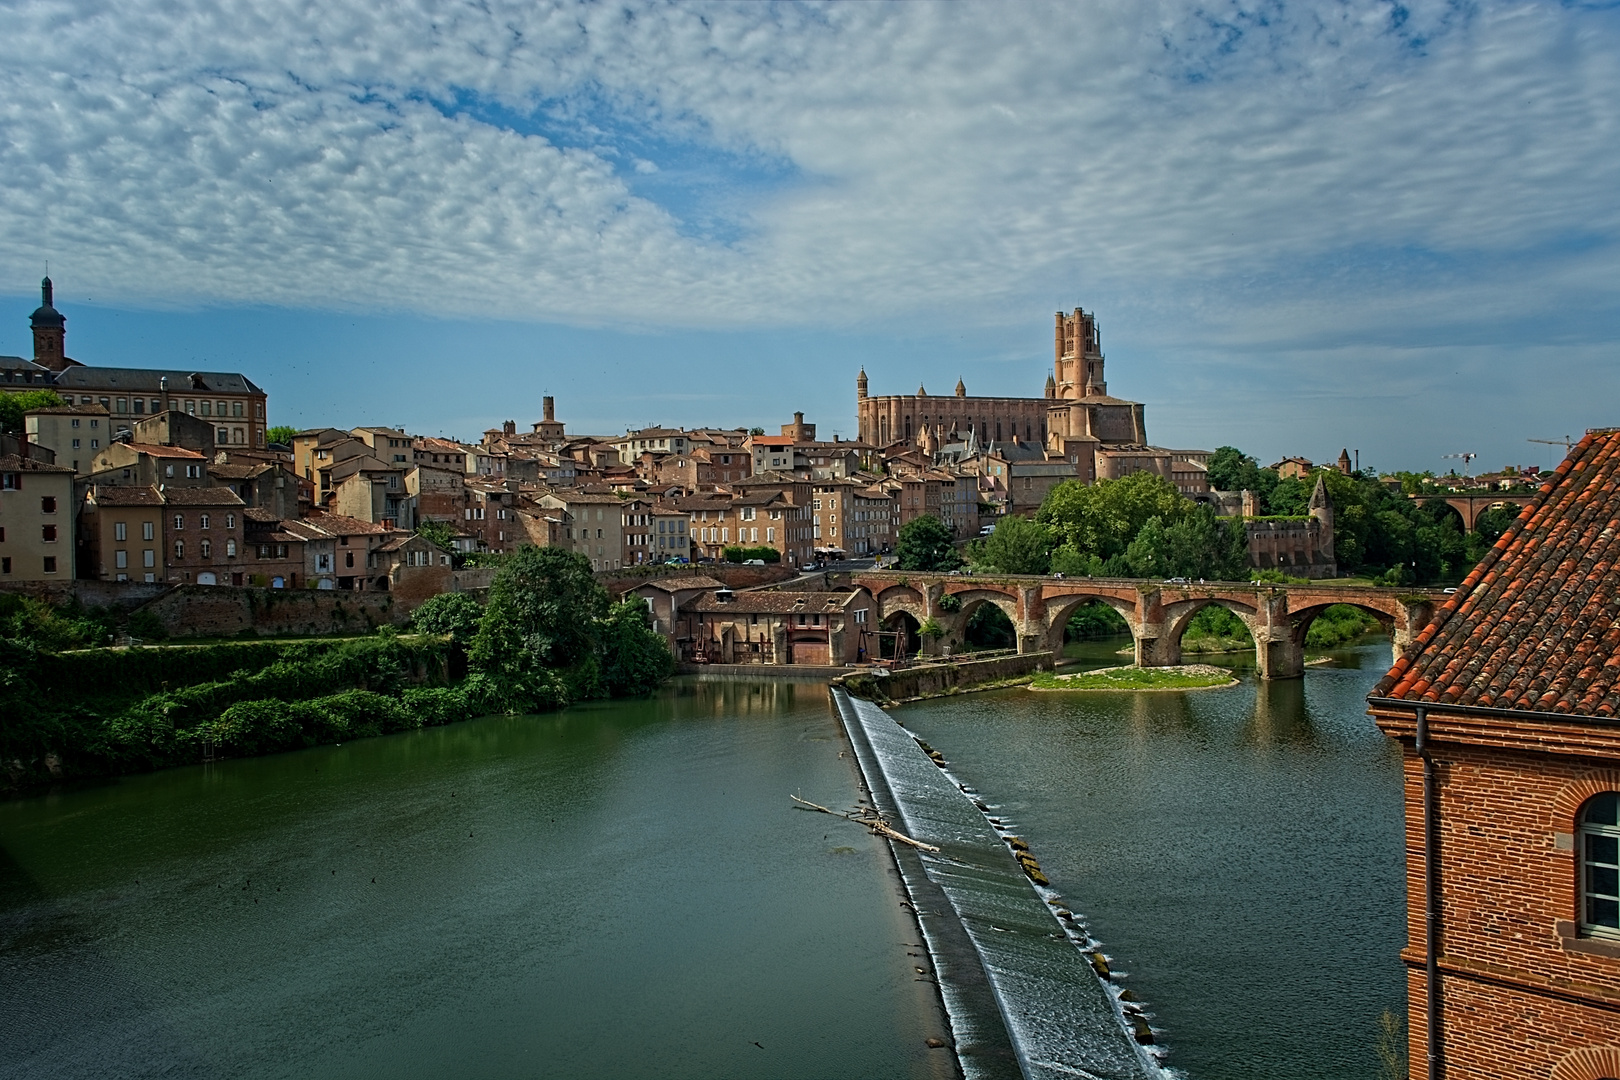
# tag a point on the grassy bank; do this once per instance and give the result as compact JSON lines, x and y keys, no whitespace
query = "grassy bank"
{"x":1190,"y":677}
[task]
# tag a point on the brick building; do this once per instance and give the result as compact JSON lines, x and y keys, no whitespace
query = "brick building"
{"x":203,"y":530}
{"x":1507,"y":709}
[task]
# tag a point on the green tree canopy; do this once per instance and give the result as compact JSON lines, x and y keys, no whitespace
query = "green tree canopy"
{"x":281,"y":433}
{"x":926,"y":544}
{"x":634,"y":658}
{"x":1017,"y":546}
{"x":14,"y":403}
{"x":542,"y":617}
{"x":439,"y":532}
{"x":1103,"y":518}
{"x":456,"y":614}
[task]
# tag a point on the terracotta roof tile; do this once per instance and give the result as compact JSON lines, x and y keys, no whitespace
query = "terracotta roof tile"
{"x":1536,"y":625}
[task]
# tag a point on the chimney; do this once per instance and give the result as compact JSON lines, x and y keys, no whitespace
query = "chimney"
{"x":548,"y":408}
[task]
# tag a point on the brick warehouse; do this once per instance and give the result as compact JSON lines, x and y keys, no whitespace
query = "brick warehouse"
{"x":1507,"y":708}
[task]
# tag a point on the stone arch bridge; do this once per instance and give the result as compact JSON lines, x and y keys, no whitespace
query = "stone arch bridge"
{"x":1278,"y":616}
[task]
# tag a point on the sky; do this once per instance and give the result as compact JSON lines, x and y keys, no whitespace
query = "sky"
{"x":1303,"y":226}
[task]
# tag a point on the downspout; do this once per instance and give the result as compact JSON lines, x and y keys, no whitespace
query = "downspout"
{"x":1431,"y":902}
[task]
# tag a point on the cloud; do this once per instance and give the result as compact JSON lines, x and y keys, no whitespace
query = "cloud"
{"x":1261,"y":173}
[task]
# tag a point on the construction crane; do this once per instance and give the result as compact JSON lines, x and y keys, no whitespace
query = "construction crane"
{"x":1566,"y":442}
{"x":1466,"y":456}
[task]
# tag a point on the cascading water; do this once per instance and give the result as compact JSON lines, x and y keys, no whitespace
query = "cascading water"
{"x":1059,"y":1018}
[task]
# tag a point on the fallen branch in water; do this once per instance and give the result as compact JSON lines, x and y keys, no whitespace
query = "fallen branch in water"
{"x":870,"y":819}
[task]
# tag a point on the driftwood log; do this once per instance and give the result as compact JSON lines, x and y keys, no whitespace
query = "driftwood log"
{"x":868,"y":817}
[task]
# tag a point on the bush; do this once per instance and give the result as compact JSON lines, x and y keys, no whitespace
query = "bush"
{"x":634,"y":658}
{"x":456,"y":614}
{"x":743,"y":554}
{"x":1339,"y":624}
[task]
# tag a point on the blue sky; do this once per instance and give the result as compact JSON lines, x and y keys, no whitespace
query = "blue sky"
{"x":1390,"y":227}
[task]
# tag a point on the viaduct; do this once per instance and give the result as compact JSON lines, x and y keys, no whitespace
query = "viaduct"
{"x":1277,"y":616}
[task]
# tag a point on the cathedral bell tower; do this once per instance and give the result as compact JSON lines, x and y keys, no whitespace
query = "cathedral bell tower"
{"x":1078,"y":366}
{"x":50,"y":332}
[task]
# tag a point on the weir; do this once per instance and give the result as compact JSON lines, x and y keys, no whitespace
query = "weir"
{"x":1015,"y":984}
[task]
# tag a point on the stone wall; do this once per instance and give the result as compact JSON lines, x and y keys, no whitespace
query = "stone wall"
{"x":225,"y":611}
{"x":91,"y":592}
{"x":936,"y":680}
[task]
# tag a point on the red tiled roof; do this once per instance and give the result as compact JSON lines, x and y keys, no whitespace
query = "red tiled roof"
{"x":1536,"y":626}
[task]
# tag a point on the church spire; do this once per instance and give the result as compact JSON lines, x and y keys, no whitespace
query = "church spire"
{"x":50,"y":330}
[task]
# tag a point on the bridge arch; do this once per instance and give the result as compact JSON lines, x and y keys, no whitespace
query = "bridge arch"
{"x":1300,"y":619}
{"x":1060,"y":608}
{"x":1180,"y":613}
{"x":897,"y":598}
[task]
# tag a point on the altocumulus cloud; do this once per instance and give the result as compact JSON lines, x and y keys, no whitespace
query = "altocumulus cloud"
{"x":736,"y":164}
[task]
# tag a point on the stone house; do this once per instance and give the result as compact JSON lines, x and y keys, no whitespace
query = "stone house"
{"x":274,"y":551}
{"x":121,"y":534}
{"x":147,"y":465}
{"x":671,"y":534}
{"x":770,"y":627}
{"x":414,"y":568}
{"x":203,"y":531}
{"x":593,"y":525}
{"x":73,"y":432}
{"x":1505,"y":710}
{"x":489,"y":515}
{"x":355,"y":542}
{"x":36,"y":520}
{"x":664,"y":597}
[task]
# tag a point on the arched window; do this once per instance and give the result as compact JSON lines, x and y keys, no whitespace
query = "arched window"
{"x":1600,"y":865}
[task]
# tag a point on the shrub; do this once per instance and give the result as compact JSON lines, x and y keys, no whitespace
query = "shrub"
{"x":456,"y":614}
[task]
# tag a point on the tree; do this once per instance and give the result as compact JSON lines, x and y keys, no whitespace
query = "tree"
{"x":439,"y":532}
{"x":542,"y":616}
{"x":281,"y":433}
{"x":634,"y":658}
{"x":456,"y":614}
{"x":14,"y":403}
{"x":925,"y":544}
{"x":1103,"y":518}
{"x":1146,"y":554}
{"x":1018,"y":546}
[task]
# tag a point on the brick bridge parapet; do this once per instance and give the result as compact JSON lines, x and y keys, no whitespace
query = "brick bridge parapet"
{"x":1278,"y":616}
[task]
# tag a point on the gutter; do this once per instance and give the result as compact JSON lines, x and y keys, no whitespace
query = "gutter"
{"x":1487,"y":710}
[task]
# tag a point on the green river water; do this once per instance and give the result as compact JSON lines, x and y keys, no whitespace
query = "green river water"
{"x":622,"y":889}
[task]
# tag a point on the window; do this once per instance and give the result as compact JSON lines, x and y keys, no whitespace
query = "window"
{"x":157,"y":406}
{"x":179,"y":549}
{"x":223,"y":435}
{"x":5,"y":565}
{"x":123,"y":405}
{"x":146,"y":530}
{"x":95,"y":444}
{"x":10,"y":481}
{"x":230,"y":521}
{"x":207,"y":408}
{"x":120,"y":531}
{"x":95,"y":423}
{"x":230,"y":549}
{"x":148,"y":558}
{"x":168,"y":470}
{"x":48,"y":533}
{"x":194,"y":471}
{"x":121,"y":559}
{"x":1600,"y":866}
{"x":47,"y":504}
{"x":50,"y":564}
{"x":202,"y":522}
{"x":75,"y":441}
{"x":236,"y":408}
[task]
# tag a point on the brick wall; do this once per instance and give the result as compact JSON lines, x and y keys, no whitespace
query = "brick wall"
{"x":1522,"y":996}
{"x":932,"y":680}
{"x":91,"y":592}
{"x":224,"y":611}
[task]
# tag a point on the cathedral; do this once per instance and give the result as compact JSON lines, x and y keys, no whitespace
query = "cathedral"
{"x":1075,"y":420}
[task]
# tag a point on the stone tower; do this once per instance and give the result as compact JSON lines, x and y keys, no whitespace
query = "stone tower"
{"x":860,"y":386}
{"x":1078,"y":365}
{"x":1344,"y":462}
{"x":1322,"y":512}
{"x":50,"y":331}
{"x":961,"y":388}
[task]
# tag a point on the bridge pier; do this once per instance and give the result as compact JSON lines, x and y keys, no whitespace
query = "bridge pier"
{"x":1278,"y":656}
{"x":1157,"y":649}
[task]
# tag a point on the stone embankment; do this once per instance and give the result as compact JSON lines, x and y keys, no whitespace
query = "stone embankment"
{"x":944,"y":677}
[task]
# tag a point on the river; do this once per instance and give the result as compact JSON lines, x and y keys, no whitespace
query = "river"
{"x":621,"y":889}
{"x":1238,"y":852}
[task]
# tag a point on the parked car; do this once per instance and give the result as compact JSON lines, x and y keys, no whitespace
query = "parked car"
{"x":1177,"y":581}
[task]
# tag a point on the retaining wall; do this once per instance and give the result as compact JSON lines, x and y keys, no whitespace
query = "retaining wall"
{"x":91,"y":592}
{"x":935,"y":680}
{"x":226,"y":611}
